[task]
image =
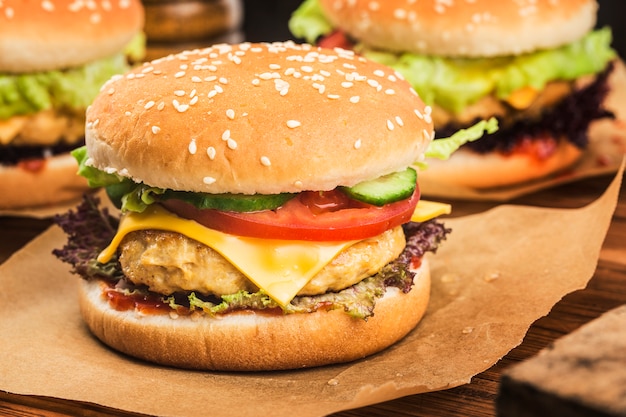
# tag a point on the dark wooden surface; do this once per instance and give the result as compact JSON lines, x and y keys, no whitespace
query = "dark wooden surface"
{"x":606,"y":290}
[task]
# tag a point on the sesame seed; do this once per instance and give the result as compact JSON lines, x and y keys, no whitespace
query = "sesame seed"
{"x":256,"y":81}
{"x":210,"y":151}
{"x":373,"y":83}
{"x":180,"y":107}
{"x":193,"y":101}
{"x":179,"y":74}
{"x":208,"y":180}
{"x":226,"y":135}
{"x":223,"y":80}
{"x":357,"y":144}
{"x":47,"y":5}
{"x":196,"y":79}
{"x":333,"y":96}
{"x":355,"y":99}
{"x":111,"y":91}
{"x":293,"y":124}
{"x":161,"y":105}
{"x":347,"y":84}
{"x":265,"y":161}
{"x":155,"y":129}
{"x":399,"y":121}
{"x":179,"y":93}
{"x":390,"y":91}
{"x":232,"y":144}
{"x":390,"y":125}
{"x":193,"y":148}
{"x":149,"y":105}
{"x":230,"y":113}
{"x":128,"y":113}
{"x":379,"y":73}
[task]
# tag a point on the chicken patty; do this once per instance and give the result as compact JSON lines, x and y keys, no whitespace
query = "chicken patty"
{"x":168,"y":262}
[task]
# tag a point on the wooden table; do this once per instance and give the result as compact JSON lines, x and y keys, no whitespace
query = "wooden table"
{"x":606,"y":290}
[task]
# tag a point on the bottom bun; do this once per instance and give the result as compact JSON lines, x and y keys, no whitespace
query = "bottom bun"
{"x":56,"y":181}
{"x":480,"y":171}
{"x":249,"y":341}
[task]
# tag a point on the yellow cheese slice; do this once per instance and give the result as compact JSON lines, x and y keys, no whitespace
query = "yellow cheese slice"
{"x":280,"y":267}
{"x":9,"y":128}
{"x":522,"y":98}
{"x":427,"y":210}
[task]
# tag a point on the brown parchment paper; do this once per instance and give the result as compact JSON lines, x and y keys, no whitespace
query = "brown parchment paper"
{"x":497,"y":273}
{"x":607,"y":146}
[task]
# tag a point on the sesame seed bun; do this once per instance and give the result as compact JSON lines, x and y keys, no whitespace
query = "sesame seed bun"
{"x":251,"y":341}
{"x":56,"y":34}
{"x":53,"y":181}
{"x":479,"y":28}
{"x":257,"y":118}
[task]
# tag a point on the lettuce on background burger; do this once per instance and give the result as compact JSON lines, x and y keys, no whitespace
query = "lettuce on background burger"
{"x":54,"y":56}
{"x":270,"y":217}
{"x":538,"y":67}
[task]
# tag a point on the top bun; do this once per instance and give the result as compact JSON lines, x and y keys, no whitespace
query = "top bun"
{"x":57,"y":34}
{"x":257,"y":118}
{"x":478,"y":28}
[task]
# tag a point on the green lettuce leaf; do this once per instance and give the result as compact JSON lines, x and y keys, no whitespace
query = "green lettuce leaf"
{"x":308,"y":21}
{"x":454,"y":84}
{"x":72,"y":89}
{"x":443,"y":148}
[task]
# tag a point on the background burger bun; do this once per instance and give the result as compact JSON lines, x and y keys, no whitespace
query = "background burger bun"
{"x":248,"y":341}
{"x":481,"y":171}
{"x":54,"y":182}
{"x":48,"y":35}
{"x":257,"y":118}
{"x":480,"y":28}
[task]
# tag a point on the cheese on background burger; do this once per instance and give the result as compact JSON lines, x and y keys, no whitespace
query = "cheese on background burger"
{"x":54,"y":56}
{"x":266,"y":198}
{"x":537,"y":66}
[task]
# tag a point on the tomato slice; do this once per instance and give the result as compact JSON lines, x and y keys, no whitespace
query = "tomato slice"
{"x":312,"y":216}
{"x":336,"y":39}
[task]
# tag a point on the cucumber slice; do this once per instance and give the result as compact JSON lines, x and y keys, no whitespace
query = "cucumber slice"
{"x":386,"y":189}
{"x":230,"y":202}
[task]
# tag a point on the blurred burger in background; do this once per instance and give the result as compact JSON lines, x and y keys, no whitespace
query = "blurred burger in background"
{"x":175,"y":25}
{"x":54,"y":57}
{"x":538,"y":67}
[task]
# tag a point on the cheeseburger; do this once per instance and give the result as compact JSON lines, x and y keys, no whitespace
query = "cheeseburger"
{"x":54,"y":56}
{"x":270,"y":217}
{"x":537,"y":66}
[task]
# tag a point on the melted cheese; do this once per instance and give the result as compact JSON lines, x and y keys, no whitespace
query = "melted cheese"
{"x":280,"y":267}
{"x":427,"y":210}
{"x":522,"y":98}
{"x":9,"y":128}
